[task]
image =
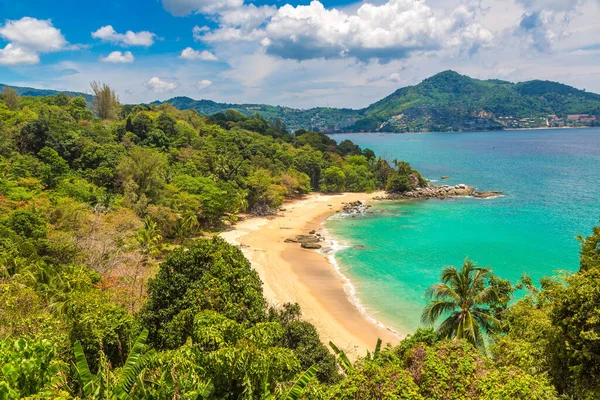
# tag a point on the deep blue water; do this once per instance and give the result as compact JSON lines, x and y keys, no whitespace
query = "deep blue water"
{"x":551,"y":185}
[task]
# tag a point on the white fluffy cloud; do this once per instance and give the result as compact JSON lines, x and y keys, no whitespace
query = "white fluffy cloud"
{"x":117,"y":57}
{"x":11,"y":55}
{"x":108,"y":33}
{"x":247,"y":16}
{"x":28,"y":37}
{"x":158,"y":85}
{"x":34,"y":35}
{"x":388,"y":31}
{"x":181,"y":8}
{"x":203,"y":84}
{"x":190,"y":54}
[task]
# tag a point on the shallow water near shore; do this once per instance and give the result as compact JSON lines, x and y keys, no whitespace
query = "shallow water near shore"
{"x":551,"y":185}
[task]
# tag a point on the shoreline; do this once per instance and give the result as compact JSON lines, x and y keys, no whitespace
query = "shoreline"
{"x":309,"y":278}
{"x":482,"y":131}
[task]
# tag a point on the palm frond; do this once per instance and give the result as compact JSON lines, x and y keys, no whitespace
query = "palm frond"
{"x":442,"y":291}
{"x":377,"y":349}
{"x":297,"y":390}
{"x":447,"y":329}
{"x":266,"y":392}
{"x":488,"y":295}
{"x":342,"y":359}
{"x":488,"y":322}
{"x":471,"y":331}
{"x":88,"y":379}
{"x":133,"y":367}
{"x":450,"y":275}
{"x":436,"y":309}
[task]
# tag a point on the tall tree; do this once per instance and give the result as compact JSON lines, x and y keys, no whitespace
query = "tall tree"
{"x":11,"y":98}
{"x":463,"y":296}
{"x":106,"y":101}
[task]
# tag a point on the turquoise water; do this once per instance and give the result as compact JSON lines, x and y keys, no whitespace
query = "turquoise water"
{"x":551,"y":183}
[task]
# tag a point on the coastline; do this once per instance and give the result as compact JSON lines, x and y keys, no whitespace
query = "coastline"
{"x":292,"y":274}
{"x":488,"y":130}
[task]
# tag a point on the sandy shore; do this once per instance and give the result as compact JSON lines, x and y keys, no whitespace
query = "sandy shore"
{"x":293,"y":274}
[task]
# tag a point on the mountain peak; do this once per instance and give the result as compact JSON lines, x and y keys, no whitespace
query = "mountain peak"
{"x":449,"y":73}
{"x":445,"y":77}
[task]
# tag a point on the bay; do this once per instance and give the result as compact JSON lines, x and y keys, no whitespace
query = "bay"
{"x":551,"y":185}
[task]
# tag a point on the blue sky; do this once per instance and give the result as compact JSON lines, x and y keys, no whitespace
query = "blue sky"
{"x":295,"y":53}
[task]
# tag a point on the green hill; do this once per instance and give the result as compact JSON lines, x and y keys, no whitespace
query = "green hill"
{"x":447,"y":101}
{"x":322,"y":118}
{"x":450,"y":101}
{"x":27,"y":91}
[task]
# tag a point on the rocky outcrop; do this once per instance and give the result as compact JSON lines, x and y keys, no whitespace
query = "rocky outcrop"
{"x":310,"y":241}
{"x":442,"y":192}
{"x":355,"y":207}
{"x":487,"y":195}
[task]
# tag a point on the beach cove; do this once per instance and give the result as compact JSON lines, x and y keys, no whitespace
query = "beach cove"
{"x":395,"y":251}
{"x":307,"y":277}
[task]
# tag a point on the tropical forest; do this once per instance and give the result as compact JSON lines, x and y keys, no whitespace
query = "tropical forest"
{"x":115,"y":282}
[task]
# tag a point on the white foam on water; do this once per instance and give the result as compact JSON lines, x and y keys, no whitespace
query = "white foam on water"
{"x":349,"y":287}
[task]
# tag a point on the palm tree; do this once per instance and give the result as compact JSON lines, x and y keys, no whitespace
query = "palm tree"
{"x":463,"y":296}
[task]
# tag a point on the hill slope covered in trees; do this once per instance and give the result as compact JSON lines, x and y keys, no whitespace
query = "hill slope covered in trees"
{"x":447,"y":101}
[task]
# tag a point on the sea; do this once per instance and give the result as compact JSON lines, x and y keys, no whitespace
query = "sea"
{"x":550,"y":180}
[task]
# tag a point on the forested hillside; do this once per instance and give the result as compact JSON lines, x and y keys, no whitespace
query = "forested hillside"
{"x":447,"y":101}
{"x":444,"y":102}
{"x":114,"y":285}
{"x":450,"y":101}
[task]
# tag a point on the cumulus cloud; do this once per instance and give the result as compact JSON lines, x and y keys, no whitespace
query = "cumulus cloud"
{"x":34,"y":35}
{"x":203,"y":84}
{"x":545,"y":22}
{"x":242,"y":23}
{"x":158,"y":85}
{"x":190,"y":54}
{"x":118,"y":57}
{"x":28,"y":37}
{"x":130,"y":38}
{"x":388,"y":31}
{"x":550,"y":5}
{"x":247,"y":16}
{"x":11,"y":55}
{"x":181,"y":8}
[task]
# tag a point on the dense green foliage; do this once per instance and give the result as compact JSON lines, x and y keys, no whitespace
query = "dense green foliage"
{"x":113,"y":284}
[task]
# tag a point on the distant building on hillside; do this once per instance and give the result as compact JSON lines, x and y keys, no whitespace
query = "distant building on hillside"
{"x":555,"y":121}
{"x":581,"y":117}
{"x":584,"y":119}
